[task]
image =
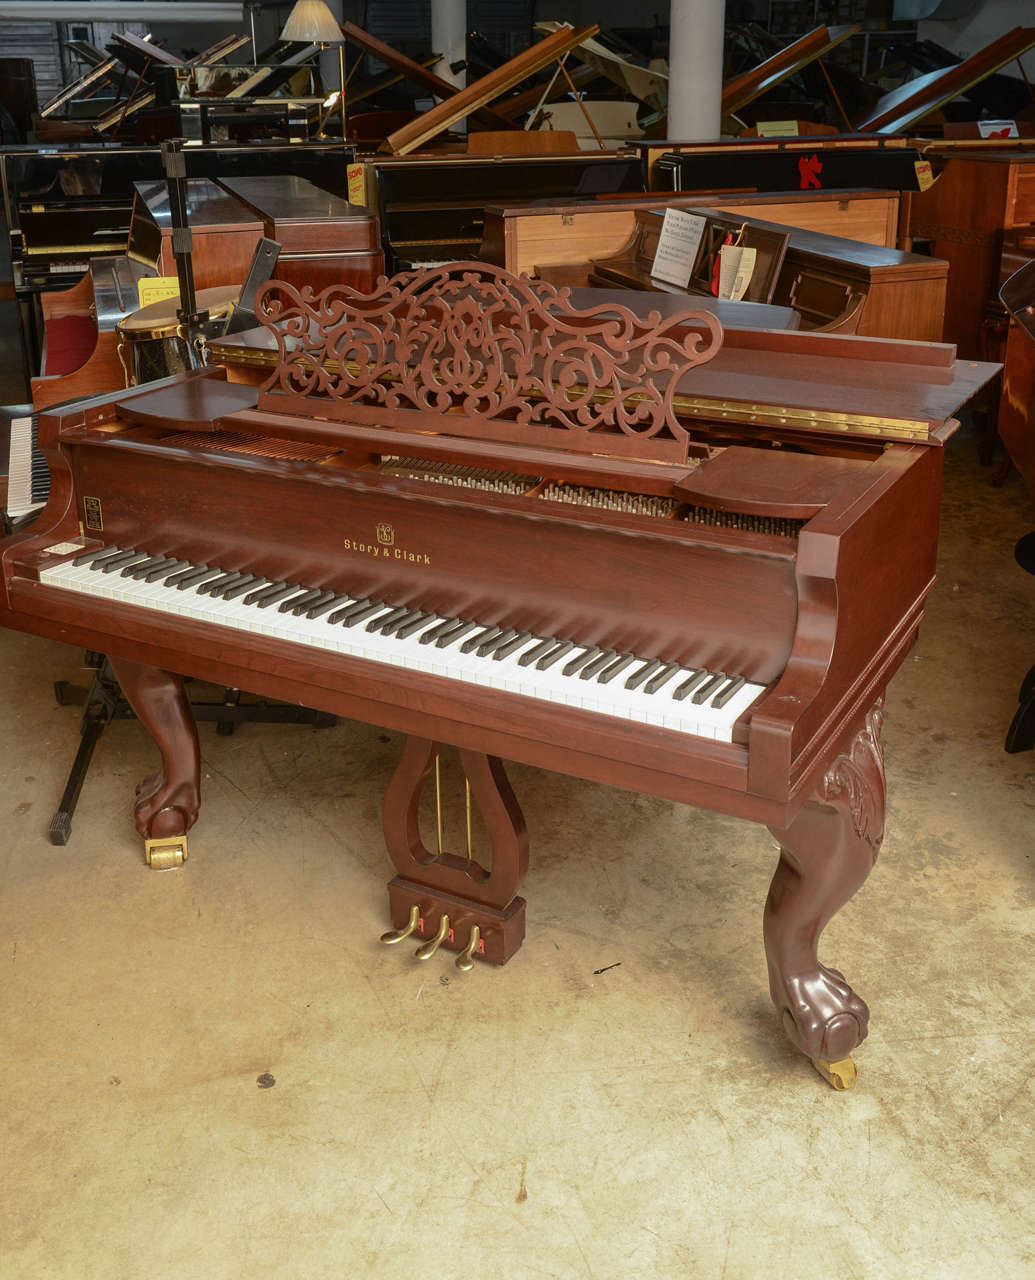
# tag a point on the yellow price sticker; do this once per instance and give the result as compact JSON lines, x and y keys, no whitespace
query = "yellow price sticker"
{"x":157,"y":289}
{"x":357,"y":185}
{"x":924,"y":174}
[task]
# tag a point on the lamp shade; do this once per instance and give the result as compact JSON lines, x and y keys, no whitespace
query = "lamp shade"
{"x":311,"y":22}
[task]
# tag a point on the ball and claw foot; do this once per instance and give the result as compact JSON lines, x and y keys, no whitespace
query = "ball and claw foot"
{"x":826,"y":1020}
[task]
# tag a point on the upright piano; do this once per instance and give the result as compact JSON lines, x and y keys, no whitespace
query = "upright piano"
{"x":638,"y":551}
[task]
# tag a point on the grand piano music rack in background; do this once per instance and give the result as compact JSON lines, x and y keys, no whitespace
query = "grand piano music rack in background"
{"x":389,"y":528}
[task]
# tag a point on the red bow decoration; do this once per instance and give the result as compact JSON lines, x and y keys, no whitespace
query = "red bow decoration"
{"x":717,"y":265}
{"x":809,"y":171}
{"x":1000,"y":133}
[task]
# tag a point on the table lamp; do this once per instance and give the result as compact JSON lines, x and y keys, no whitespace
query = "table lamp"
{"x":311,"y":22}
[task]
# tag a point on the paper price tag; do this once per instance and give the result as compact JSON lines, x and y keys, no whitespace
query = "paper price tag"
{"x":357,"y":186}
{"x":677,"y":247}
{"x":778,"y":128}
{"x":157,"y":289}
{"x":997,"y":128}
{"x":736,"y":264}
{"x":924,"y":174}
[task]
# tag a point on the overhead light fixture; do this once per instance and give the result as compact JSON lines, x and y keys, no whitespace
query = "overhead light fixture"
{"x":311,"y":22}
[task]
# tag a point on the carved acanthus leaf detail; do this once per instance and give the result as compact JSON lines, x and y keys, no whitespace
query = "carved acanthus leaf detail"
{"x":858,"y":776}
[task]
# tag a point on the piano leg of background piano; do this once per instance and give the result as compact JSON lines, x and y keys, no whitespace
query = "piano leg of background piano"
{"x":483,"y":915}
{"x":825,"y":855}
{"x":167,"y":803}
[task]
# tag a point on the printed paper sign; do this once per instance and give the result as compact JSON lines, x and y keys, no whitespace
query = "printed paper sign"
{"x":357,"y":187}
{"x":157,"y":289}
{"x":677,"y":247}
{"x":998,"y":128}
{"x":777,"y":128}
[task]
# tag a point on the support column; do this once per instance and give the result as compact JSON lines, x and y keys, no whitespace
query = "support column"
{"x":695,"y":69}
{"x":449,"y":38}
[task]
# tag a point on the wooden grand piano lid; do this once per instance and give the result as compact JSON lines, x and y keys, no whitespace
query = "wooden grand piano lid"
{"x":194,"y":404}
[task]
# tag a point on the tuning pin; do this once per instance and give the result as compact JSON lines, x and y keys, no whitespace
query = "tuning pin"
{"x":465,"y":960}
{"x":432,"y":945}
{"x":397,"y":935}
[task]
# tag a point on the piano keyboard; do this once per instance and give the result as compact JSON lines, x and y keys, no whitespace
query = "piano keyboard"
{"x":28,"y":481}
{"x":623,"y":685}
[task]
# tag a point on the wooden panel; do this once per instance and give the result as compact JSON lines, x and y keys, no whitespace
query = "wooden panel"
{"x":1024,"y":194}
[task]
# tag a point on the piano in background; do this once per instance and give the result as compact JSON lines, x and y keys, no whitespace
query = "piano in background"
{"x":432,"y":209}
{"x":525,"y":235}
{"x":324,"y":241}
{"x":831,"y":283}
{"x":66,"y":205}
{"x":695,"y":583}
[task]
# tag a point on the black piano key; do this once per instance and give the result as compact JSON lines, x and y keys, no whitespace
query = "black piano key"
{"x":486,"y":633}
{"x":505,"y":650}
{"x":385,"y":619}
{"x":637,"y":678}
{"x":538,"y":651}
{"x":576,"y":664}
{"x":163,"y":571}
{"x":688,"y":686}
{"x":321,"y":597}
{"x":727,"y":692}
{"x":598,"y":664}
{"x":195,"y":577}
{"x":433,"y":633}
{"x":485,"y":649}
{"x":239,"y":588}
{"x":325,"y":606}
{"x":125,"y":560}
{"x":414,"y":624}
{"x":392,"y":628}
{"x":616,"y":667}
{"x":193,"y":573}
{"x":140,"y":571}
{"x":361,"y":615}
{"x":98,"y":553}
{"x":139,"y":567}
{"x":555,"y":655}
{"x":454,"y":633}
{"x":302,"y":602}
{"x":708,"y":688}
{"x":263,"y":590}
{"x":271,"y":597}
{"x":219,"y":588}
{"x":662,"y":678}
{"x":214,"y":584}
{"x":353,"y":606}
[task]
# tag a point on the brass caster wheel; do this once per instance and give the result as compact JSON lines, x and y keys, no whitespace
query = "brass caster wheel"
{"x":165,"y":853}
{"x":840,"y":1075}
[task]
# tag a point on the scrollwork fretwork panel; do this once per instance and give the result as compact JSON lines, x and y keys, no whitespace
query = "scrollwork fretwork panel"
{"x":488,"y":353}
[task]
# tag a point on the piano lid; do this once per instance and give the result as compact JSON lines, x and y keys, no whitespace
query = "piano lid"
{"x":745,"y":88}
{"x":916,"y":99}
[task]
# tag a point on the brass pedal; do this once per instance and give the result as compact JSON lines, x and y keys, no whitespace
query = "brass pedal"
{"x":399,"y":935}
{"x":465,"y":960}
{"x":429,"y":948}
{"x":165,"y":853}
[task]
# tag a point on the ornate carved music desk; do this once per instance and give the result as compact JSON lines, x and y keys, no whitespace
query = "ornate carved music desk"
{"x":385,"y":529}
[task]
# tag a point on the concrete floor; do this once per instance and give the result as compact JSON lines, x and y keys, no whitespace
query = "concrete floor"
{"x":541,"y":1119}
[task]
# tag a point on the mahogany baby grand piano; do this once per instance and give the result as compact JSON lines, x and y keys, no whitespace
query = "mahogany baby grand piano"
{"x":636,"y":551}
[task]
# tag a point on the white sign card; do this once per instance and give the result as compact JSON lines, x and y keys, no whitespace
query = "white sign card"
{"x":997,"y":128}
{"x":736,"y":263}
{"x":677,"y":247}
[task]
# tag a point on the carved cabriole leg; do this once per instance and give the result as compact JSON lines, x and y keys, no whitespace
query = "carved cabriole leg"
{"x":167,"y":802}
{"x":447,"y":885}
{"x":825,"y":855}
